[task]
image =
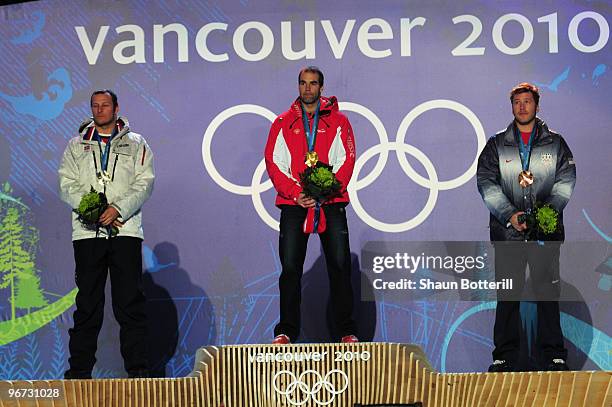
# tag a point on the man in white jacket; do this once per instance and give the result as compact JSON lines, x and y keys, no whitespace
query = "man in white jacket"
{"x":107,"y":156}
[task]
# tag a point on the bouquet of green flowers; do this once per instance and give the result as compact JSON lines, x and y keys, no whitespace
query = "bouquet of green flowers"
{"x":319,"y":182}
{"x":91,"y":207}
{"x":542,"y":222}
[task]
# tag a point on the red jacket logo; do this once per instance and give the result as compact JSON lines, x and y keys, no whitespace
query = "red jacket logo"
{"x":351,"y":146}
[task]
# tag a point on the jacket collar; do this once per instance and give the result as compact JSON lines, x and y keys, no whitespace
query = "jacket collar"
{"x":87,"y":127}
{"x":542,"y":136}
{"x":328,"y":105}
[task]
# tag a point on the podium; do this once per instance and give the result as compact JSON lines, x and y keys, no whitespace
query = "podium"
{"x":377,"y":374}
{"x":314,"y":375}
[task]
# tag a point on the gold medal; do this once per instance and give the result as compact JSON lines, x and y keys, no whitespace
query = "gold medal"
{"x":312,"y":158}
{"x":525,"y":179}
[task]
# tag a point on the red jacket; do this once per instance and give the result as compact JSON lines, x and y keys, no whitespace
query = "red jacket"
{"x":287,"y":147}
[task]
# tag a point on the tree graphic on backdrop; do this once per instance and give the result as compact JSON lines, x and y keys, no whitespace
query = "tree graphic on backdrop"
{"x":18,"y":244}
{"x":28,"y":294}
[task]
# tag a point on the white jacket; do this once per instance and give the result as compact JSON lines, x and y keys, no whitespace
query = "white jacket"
{"x":130,"y":165}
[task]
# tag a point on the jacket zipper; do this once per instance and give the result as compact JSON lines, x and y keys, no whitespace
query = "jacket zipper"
{"x":93,"y":155}
{"x":114,"y":166}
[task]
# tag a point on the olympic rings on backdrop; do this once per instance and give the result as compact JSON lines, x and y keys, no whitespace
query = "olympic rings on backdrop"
{"x":382,"y":149}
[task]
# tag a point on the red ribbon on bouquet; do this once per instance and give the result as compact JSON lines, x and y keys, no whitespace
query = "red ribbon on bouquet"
{"x":315,"y":220}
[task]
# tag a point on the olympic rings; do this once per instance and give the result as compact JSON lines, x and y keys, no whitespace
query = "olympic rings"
{"x":429,"y":205}
{"x":382,"y":149}
{"x":207,"y":141}
{"x":440,"y":104}
{"x":298,"y":392}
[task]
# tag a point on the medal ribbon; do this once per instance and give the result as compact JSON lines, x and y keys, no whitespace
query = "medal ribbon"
{"x":525,"y":154}
{"x":104,"y":154}
{"x":317,"y":215}
{"x":104,"y":165}
{"x":525,"y":150}
{"x":311,"y":134}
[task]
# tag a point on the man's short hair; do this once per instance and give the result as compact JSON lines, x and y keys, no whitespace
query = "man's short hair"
{"x":524,"y":87}
{"x":104,"y":92}
{"x":313,"y":69}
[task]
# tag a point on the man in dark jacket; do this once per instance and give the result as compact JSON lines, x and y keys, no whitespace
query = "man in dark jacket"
{"x":521,"y":169}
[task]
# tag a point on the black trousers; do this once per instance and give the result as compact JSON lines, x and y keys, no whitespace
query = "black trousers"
{"x":511,"y":259}
{"x":94,"y":258}
{"x":292,"y":249}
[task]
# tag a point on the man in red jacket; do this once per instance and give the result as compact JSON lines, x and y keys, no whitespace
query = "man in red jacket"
{"x":313,"y":124}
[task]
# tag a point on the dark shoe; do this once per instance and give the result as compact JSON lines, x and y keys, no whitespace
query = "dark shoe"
{"x":499,"y":366}
{"x":77,"y":375}
{"x":139,"y":374}
{"x":557,"y":365}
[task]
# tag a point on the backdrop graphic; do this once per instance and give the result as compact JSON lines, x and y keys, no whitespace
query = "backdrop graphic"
{"x":424,"y":85}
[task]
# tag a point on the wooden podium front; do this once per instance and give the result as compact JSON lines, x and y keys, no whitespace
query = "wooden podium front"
{"x":314,"y":375}
{"x":377,"y":374}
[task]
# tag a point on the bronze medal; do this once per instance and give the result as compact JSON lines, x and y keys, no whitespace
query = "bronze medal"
{"x":525,"y":179}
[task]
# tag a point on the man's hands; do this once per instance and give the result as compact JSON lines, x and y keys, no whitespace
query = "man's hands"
{"x":515,"y":222}
{"x":304,"y":201}
{"x":109,"y":216}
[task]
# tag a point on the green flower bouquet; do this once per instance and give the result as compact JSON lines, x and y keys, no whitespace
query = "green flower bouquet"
{"x":547,"y":218}
{"x":543,"y":222}
{"x":319,"y":182}
{"x":91,"y":207}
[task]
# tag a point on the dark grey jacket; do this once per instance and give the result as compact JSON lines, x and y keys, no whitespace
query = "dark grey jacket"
{"x":499,"y":165}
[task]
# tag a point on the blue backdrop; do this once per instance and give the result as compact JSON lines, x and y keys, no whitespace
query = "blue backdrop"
{"x":424,"y":85}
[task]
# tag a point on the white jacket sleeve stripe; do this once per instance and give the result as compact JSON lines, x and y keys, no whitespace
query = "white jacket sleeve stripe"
{"x":281,"y":156}
{"x":337,"y":152}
